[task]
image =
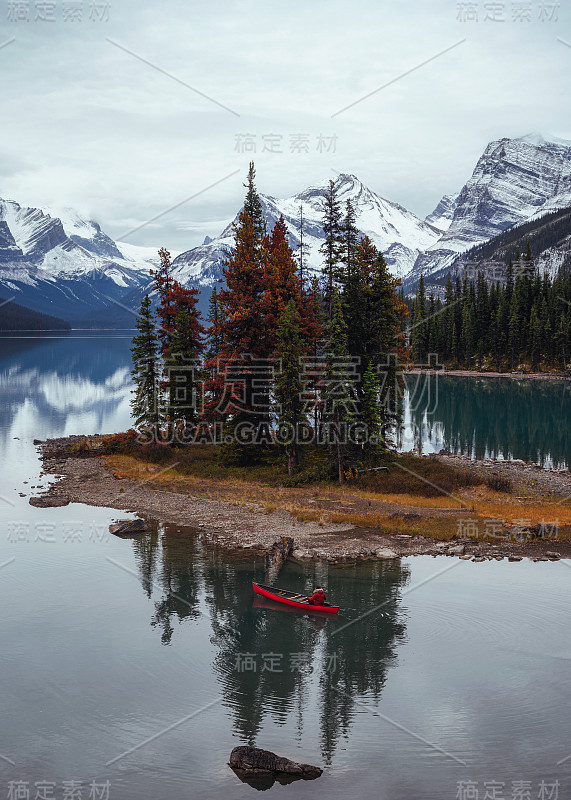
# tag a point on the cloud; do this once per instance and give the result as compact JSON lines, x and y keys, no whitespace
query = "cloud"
{"x":86,"y":124}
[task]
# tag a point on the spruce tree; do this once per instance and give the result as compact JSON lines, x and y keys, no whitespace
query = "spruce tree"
{"x":145,"y":400}
{"x":419,"y":334}
{"x":290,"y":349}
{"x":253,"y":206}
{"x":302,"y":251}
{"x":338,"y":397}
{"x":332,"y":246}
{"x":184,"y":390}
{"x":370,"y":415}
{"x":213,"y":376}
{"x":349,"y":239}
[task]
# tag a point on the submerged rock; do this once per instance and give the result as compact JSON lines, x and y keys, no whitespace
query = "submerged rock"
{"x":260,"y":768}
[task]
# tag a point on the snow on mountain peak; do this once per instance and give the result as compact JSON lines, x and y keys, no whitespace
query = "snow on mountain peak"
{"x":539,"y":140}
{"x":398,"y":233}
{"x":513,"y":181}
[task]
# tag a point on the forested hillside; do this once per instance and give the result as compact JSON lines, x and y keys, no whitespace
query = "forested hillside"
{"x":14,"y":317}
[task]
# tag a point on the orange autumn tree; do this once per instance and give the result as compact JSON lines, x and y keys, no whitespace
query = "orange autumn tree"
{"x":243,"y":345}
{"x":281,"y":282}
{"x":261,"y":277}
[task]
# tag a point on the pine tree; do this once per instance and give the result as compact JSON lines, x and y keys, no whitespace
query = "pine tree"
{"x":313,"y":320}
{"x":183,"y":373}
{"x":535,"y":337}
{"x":302,"y":251}
{"x":331,"y":248}
{"x":338,"y":398}
{"x":213,"y":375}
{"x":449,"y":349}
{"x":513,"y":333}
{"x":290,"y":349}
{"x":253,"y":206}
{"x":163,"y":284}
{"x":349,"y":238}
{"x":370,"y":415}
{"x":214,"y":338}
{"x":145,"y":400}
{"x":419,"y":337}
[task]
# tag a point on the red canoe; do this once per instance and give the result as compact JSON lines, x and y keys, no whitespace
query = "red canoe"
{"x":293,"y":599}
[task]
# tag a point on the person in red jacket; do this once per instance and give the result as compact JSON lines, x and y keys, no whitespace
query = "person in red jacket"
{"x":318,"y":597}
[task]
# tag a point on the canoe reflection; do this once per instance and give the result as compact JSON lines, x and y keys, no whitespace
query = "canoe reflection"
{"x":317,"y":618}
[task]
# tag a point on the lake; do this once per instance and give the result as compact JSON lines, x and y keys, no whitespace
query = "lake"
{"x":133,"y":667}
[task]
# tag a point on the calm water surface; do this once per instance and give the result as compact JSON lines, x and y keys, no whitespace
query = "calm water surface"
{"x":489,"y":418}
{"x":144,"y":662}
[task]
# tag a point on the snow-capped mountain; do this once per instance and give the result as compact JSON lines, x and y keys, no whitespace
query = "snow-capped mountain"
{"x":400,"y":234}
{"x":61,"y":264}
{"x":514,"y":180}
{"x":442,"y":215}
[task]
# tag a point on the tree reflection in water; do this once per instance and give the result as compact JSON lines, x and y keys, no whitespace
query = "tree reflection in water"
{"x":492,"y":418}
{"x":271,"y":662}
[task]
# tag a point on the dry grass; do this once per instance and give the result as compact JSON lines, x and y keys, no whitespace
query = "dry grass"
{"x":443,"y":501}
{"x":358,"y":503}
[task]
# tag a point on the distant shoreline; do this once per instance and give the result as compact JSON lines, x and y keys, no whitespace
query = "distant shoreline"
{"x":518,"y":376}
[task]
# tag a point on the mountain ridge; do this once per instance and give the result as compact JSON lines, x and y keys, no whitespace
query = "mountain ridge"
{"x":60,"y":263}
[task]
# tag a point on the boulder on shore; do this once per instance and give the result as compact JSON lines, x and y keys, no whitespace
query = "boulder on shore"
{"x":47,"y":501}
{"x":260,"y":768}
{"x":128,"y":526}
{"x":385,"y":552}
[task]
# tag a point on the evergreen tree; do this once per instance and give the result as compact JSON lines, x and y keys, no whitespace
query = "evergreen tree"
{"x":163,"y":283}
{"x":302,"y":250}
{"x":183,"y":370}
{"x":338,"y":397}
{"x":290,"y":349}
{"x":213,"y":375}
{"x":448,"y":338}
{"x":332,"y":247}
{"x":419,"y":337}
{"x":370,"y":415}
{"x":214,"y":338}
{"x":145,"y":400}
{"x":253,"y":206}
{"x":349,"y":236}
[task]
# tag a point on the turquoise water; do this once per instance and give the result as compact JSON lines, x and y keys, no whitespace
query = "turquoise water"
{"x":144,"y":662}
{"x":490,"y":418}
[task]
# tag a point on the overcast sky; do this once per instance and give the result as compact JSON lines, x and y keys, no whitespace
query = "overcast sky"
{"x":84,"y":123}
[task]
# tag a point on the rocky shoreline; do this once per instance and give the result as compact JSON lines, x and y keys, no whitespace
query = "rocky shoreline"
{"x":90,"y":480}
{"x":525,"y":476}
{"x":517,"y":376}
